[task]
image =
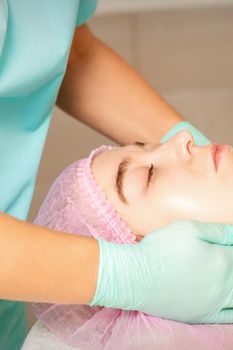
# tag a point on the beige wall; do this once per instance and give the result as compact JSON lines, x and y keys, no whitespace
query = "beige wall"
{"x":112,"y":6}
{"x":186,"y":54}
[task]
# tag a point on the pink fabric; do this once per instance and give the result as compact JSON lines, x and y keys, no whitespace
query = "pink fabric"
{"x":76,"y":204}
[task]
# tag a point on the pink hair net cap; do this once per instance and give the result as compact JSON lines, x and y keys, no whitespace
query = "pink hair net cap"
{"x":76,"y":204}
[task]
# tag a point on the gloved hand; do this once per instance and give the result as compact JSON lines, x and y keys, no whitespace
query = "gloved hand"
{"x":182,"y":271}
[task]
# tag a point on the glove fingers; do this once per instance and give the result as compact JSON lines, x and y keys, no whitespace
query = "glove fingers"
{"x":226,"y":316}
{"x":217,"y":233}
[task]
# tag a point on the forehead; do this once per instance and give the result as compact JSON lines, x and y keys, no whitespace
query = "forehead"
{"x":105,"y":165}
{"x":106,"y":157}
{"x":114,"y":156}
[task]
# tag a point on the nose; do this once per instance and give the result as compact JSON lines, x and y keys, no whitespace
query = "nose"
{"x":182,"y":144}
{"x":178,"y":147}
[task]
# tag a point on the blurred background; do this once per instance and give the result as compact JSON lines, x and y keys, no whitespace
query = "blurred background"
{"x":183,"y":47}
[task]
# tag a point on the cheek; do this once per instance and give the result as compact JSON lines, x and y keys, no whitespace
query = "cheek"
{"x":177,"y":199}
{"x":194,"y":197}
{"x":135,"y":185}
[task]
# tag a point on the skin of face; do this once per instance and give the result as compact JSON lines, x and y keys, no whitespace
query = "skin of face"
{"x":184,"y":183}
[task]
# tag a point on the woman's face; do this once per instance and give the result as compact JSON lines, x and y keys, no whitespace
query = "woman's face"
{"x":152,"y":185}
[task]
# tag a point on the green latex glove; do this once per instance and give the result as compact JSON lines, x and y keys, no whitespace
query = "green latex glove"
{"x":182,"y":271}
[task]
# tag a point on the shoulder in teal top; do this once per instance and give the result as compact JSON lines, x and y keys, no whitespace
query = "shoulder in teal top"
{"x":35,"y":39}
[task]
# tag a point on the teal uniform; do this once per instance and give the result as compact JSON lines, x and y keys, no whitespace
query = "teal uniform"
{"x":35,"y":40}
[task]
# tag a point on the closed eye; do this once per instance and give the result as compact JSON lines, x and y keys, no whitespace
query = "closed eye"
{"x":138,"y":143}
{"x":150,"y":174}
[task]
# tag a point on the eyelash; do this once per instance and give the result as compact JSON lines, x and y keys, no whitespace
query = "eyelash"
{"x":150,"y":174}
{"x":151,"y":170}
{"x":139,"y":143}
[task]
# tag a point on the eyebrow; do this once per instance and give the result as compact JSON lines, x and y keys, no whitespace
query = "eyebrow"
{"x":122,"y":170}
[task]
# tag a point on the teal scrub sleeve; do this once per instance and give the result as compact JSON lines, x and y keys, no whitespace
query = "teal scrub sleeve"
{"x":13,"y":325}
{"x":85,"y":11}
{"x":3,"y":23}
{"x":35,"y":40}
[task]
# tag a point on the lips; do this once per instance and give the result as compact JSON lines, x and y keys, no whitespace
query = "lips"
{"x":217,"y":152}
